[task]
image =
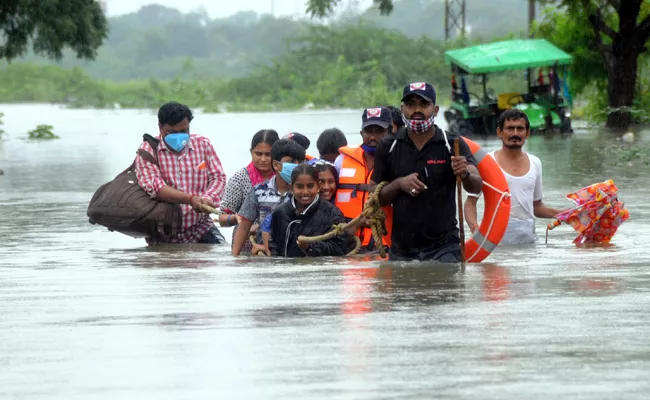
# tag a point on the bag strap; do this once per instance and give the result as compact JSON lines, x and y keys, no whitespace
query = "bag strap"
{"x":147,"y":157}
{"x":152,"y":158}
{"x":153,"y":142}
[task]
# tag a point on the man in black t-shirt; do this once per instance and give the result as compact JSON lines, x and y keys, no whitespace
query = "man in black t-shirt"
{"x":420,"y":166}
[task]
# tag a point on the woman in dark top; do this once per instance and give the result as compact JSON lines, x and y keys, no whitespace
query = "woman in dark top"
{"x":307,"y":215}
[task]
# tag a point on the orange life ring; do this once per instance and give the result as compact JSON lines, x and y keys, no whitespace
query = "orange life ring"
{"x":497,"y":206}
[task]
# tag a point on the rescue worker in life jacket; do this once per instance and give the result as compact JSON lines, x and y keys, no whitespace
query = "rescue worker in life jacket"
{"x":355,"y":166}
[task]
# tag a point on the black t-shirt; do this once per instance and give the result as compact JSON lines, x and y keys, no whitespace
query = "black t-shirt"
{"x":428,"y":220}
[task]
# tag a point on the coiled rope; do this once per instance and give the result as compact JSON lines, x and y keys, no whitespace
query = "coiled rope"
{"x":372,"y":215}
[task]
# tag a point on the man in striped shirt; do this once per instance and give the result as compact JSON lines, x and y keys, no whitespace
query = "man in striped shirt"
{"x":189,"y":174}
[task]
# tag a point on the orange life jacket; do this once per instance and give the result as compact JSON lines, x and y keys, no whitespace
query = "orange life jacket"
{"x":350,"y":200}
{"x":308,"y":157}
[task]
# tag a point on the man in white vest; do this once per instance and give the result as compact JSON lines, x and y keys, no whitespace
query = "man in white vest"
{"x":523,"y":171}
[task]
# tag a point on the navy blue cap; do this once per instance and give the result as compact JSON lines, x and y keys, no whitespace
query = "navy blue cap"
{"x":422,"y":89}
{"x":376,"y":116}
{"x":299,"y":138}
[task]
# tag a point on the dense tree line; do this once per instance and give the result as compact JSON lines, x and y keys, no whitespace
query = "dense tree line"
{"x":156,"y":41}
{"x":253,"y":61}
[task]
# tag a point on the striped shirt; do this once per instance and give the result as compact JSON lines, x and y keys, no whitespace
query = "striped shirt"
{"x":196,"y":170}
{"x":261,"y":201}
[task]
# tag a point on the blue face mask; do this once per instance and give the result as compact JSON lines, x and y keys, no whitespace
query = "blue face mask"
{"x":287,"y":169}
{"x":368,"y":149}
{"x":177,"y":141}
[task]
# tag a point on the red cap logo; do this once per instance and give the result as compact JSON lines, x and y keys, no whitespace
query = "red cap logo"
{"x":418,"y":86}
{"x":373,"y":112}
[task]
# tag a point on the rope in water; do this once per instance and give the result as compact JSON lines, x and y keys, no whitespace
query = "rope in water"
{"x":260,"y":253}
{"x":357,"y":246}
{"x":372,"y":215}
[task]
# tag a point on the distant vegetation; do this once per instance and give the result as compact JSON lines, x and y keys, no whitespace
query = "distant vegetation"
{"x":245,"y":62}
{"x":326,"y":67}
{"x":156,"y":41}
{"x":251,"y":62}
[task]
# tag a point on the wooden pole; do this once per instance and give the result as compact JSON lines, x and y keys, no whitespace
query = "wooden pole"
{"x":461,"y":220}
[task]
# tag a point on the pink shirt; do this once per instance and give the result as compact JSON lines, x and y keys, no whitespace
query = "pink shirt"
{"x":196,"y":170}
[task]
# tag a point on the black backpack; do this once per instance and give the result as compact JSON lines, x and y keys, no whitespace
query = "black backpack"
{"x":121,"y":205}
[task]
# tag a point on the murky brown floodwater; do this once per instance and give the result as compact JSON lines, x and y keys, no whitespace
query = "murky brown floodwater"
{"x":85,"y":313}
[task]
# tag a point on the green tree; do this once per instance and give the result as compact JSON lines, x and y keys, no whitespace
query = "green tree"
{"x":327,"y":66}
{"x":154,"y":41}
{"x":560,"y":28}
{"x":323,"y":8}
{"x":417,"y":18}
{"x":51,"y":26}
{"x":618,"y":31}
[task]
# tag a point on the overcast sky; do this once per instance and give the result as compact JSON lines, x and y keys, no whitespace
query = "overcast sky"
{"x":219,"y":8}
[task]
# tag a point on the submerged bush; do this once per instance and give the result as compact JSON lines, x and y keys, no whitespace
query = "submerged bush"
{"x":42,"y":132}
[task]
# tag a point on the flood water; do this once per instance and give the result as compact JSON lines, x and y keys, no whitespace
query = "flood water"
{"x":85,"y":313}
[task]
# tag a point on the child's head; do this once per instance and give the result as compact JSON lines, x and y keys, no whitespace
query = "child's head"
{"x":329,"y":142}
{"x":283,"y":152}
{"x":304,"y":184}
{"x":328,"y":179}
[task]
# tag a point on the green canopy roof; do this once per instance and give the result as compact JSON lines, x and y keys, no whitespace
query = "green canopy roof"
{"x":507,"y":55}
